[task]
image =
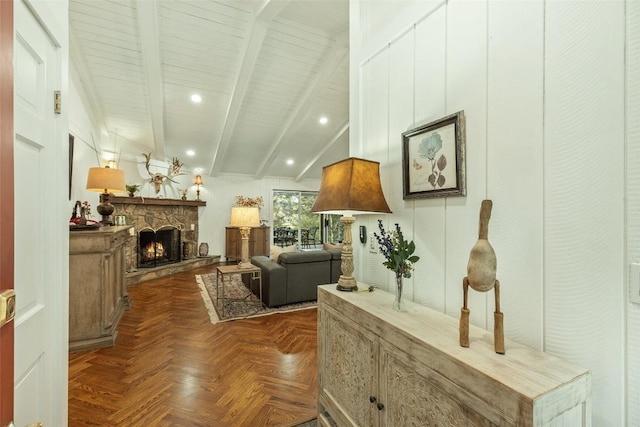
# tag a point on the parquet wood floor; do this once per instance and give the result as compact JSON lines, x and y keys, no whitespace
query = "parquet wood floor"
{"x":171,"y":367}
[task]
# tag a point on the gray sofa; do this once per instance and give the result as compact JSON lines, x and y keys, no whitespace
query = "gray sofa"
{"x":296,"y":275}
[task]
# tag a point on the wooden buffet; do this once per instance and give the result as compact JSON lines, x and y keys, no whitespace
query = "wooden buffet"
{"x":378,"y":367}
{"x":97,"y":287}
{"x":258,"y":242}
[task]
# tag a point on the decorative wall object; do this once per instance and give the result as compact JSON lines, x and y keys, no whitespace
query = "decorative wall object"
{"x":157,"y":179}
{"x":433,"y":162}
{"x":481,"y":276}
{"x":249,"y":202}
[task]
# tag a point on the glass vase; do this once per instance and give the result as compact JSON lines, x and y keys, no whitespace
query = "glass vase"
{"x":398,"y":304}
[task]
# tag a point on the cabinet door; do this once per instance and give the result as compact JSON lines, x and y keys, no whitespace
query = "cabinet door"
{"x":348,"y":361}
{"x":232,"y":244}
{"x":415,"y":395}
{"x":260,"y":241}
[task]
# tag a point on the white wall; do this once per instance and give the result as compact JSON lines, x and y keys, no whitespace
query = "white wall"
{"x":543,"y":88}
{"x":219,"y":192}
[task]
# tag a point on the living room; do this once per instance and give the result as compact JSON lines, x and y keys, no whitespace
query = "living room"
{"x":544,"y":87}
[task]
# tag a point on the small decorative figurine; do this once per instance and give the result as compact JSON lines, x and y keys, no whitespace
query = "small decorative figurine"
{"x":481,"y":276}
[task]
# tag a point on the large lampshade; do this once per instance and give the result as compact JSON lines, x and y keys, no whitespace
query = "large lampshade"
{"x":351,"y":186}
{"x":105,"y":181}
{"x":245,"y":217}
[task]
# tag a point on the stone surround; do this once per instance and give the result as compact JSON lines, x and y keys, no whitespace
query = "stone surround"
{"x":151,"y":213}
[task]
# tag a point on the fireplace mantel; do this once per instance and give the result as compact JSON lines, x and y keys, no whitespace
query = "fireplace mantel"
{"x":155,"y":201}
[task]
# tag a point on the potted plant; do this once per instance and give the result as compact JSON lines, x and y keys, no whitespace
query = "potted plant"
{"x":132,"y":189}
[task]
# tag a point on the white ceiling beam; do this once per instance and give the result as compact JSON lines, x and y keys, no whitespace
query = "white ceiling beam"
{"x":338,"y":53}
{"x":326,"y":148}
{"x":268,"y":10}
{"x":150,"y":45}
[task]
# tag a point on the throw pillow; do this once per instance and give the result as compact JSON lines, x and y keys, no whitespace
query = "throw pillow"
{"x":327,"y":246}
{"x":275,"y":252}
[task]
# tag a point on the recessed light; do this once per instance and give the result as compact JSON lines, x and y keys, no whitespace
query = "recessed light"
{"x":323,"y":120}
{"x":196,"y":99}
{"x":197,"y":169}
{"x":191,"y":153}
{"x":289,"y":162}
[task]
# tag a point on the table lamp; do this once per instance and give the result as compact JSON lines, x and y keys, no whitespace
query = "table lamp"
{"x":350,"y":187}
{"x":245,"y":217}
{"x":198,"y":182}
{"x":105,"y":181}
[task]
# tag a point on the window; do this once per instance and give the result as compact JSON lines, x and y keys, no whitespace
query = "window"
{"x":293,"y":222}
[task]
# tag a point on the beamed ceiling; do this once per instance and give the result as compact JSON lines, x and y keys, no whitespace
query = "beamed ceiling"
{"x":266,"y":71}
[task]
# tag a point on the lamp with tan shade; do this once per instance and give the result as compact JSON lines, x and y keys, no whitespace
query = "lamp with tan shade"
{"x":198,"y":182}
{"x":105,"y":181}
{"x":244,"y":218}
{"x":350,"y":187}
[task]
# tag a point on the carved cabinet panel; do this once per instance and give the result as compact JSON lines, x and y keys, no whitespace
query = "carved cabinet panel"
{"x":381,"y":368}
{"x":351,"y":365}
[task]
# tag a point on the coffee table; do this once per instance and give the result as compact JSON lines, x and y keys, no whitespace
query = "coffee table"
{"x":227,"y":270}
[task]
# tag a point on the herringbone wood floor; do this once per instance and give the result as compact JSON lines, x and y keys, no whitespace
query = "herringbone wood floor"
{"x":171,"y":367}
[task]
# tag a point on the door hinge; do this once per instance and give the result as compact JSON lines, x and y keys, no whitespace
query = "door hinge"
{"x":57,"y":102}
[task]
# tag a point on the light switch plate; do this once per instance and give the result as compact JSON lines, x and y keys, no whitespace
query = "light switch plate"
{"x":373,"y":244}
{"x":634,"y":284}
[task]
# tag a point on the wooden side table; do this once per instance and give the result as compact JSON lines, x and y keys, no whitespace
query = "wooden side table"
{"x":226,"y":270}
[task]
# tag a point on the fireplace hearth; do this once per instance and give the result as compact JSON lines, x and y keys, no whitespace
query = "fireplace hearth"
{"x":159,"y":247}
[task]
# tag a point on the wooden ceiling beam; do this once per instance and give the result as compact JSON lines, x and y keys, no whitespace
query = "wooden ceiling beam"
{"x":150,"y":45}
{"x":268,"y":10}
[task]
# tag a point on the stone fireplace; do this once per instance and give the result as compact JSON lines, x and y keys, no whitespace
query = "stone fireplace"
{"x":177,"y":222}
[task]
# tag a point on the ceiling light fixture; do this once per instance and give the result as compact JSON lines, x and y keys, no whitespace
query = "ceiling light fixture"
{"x":323,"y":120}
{"x":191,"y":153}
{"x":289,"y":162}
{"x":196,"y":99}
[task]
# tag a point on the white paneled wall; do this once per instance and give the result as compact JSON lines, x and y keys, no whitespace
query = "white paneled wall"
{"x":514,"y":135}
{"x":633,"y":205}
{"x":584,"y":192}
{"x":542,"y":85}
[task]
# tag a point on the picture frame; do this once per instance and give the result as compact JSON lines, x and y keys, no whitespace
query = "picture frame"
{"x":433,"y":159}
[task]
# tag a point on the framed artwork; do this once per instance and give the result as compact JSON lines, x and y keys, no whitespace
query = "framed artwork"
{"x":433,"y":163}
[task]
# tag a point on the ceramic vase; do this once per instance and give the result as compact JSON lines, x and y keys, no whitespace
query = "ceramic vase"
{"x":203,"y":250}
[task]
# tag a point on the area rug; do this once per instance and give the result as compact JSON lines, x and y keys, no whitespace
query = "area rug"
{"x":244,"y":303}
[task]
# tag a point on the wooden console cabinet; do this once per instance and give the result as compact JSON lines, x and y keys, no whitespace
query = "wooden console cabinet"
{"x":97,"y":287}
{"x":378,"y":367}
{"x":258,"y":242}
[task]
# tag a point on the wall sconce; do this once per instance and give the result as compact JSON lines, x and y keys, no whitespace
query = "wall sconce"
{"x":349,"y":187}
{"x":198,"y":182}
{"x":105,"y":181}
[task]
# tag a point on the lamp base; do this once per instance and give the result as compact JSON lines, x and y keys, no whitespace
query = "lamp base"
{"x":242,"y":265}
{"x":105,"y":208}
{"x":347,"y":284}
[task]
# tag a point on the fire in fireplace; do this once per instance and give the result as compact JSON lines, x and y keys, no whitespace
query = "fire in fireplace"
{"x":159,"y":247}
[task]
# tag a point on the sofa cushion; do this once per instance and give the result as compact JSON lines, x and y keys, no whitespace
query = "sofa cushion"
{"x":303,"y":257}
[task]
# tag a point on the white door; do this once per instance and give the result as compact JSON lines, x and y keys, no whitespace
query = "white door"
{"x":41,"y":227}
